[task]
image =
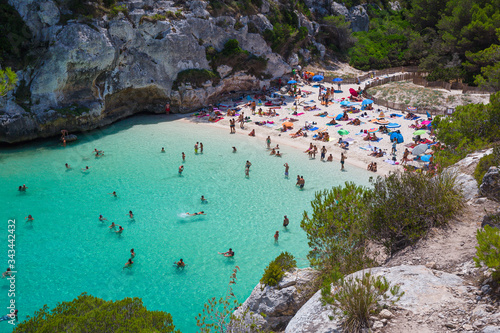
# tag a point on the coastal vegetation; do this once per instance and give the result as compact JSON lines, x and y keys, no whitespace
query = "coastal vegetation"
{"x":277,"y":268}
{"x":488,"y":249}
{"x":471,"y":127}
{"x":91,"y":314}
{"x":8,"y":80}
{"x":359,"y":298}
{"x":195,"y":77}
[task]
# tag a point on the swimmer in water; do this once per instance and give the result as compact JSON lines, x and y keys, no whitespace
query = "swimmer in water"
{"x":203,"y":200}
{"x":229,"y":253}
{"x":132,"y":253}
{"x":86,"y":168}
{"x":276,"y":236}
{"x":98,"y":151}
{"x":120,"y":230}
{"x":273,"y":152}
{"x":199,"y":213}
{"x":29,"y":218}
{"x":180,"y":263}
{"x":112,"y":226}
{"x":181,"y":168}
{"x":162,"y":149}
{"x":234,"y":149}
{"x":113,"y":194}
{"x":6,"y":273}
{"x":24,"y":188}
{"x":183,"y":157}
{"x":130,"y":214}
{"x":278,"y":154}
{"x":101,"y":218}
{"x":285,"y":222}
{"x":68,"y":166}
{"x":286,"y":169}
{"x":128,"y":264}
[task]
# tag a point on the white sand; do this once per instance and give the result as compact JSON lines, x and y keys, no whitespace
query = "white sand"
{"x":355,"y":155}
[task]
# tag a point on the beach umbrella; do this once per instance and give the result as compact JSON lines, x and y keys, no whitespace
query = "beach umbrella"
{"x":420,"y":149}
{"x":366,"y":102}
{"x":318,"y":78}
{"x":419,"y":132}
{"x":337,"y":79}
{"x":426,"y":122}
{"x":428,"y":115}
{"x":343,"y":131}
{"x":292,"y":82}
{"x":372,"y":130}
{"x":393,"y":125}
{"x":288,"y":124}
{"x":411,"y":108}
{"x":345,"y":103}
{"x":353,"y":92}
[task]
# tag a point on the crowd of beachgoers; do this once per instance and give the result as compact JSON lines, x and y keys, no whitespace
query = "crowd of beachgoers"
{"x":332,"y":120}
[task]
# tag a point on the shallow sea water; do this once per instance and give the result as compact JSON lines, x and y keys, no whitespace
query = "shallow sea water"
{"x":66,"y":250}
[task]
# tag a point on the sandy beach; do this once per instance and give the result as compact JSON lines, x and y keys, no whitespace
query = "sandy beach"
{"x":358,"y":152}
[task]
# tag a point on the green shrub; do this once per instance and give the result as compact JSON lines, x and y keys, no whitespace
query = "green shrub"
{"x":115,"y":10}
{"x":195,"y":77}
{"x":485,"y":163}
{"x":488,"y":249}
{"x":360,"y":297}
{"x":335,"y":229}
{"x":91,"y":314}
{"x":405,"y":206}
{"x":277,"y":268}
{"x":238,"y":25}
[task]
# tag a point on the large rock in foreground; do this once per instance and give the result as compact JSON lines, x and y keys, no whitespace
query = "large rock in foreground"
{"x":272,"y":308}
{"x":424,"y":290}
{"x":490,"y":187}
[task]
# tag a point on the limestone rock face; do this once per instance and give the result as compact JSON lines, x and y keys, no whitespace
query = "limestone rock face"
{"x":357,"y":15}
{"x":424,"y":291}
{"x":115,"y":67}
{"x":278,"y":304}
{"x":490,"y":187}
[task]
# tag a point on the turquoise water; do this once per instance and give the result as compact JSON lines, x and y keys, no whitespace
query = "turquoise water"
{"x":66,"y":250}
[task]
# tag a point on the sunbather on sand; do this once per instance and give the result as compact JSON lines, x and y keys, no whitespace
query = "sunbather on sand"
{"x":332,"y":122}
{"x":355,"y":122}
{"x":297,"y":134}
{"x":322,"y":114}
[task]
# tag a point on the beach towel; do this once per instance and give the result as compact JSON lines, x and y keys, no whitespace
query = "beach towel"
{"x":376,"y":140}
{"x":300,"y":114}
{"x":338,"y":125}
{"x":391,"y":162}
{"x":314,"y":129}
{"x":214,"y":121}
{"x":395,"y":115}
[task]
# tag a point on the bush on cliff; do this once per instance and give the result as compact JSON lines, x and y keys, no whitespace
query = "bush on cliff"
{"x":195,"y":77}
{"x":277,"y":268}
{"x":336,"y":229}
{"x":405,"y":206}
{"x":15,"y":37}
{"x":94,"y":315}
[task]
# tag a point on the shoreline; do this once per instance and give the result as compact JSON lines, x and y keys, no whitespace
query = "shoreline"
{"x":357,"y":154}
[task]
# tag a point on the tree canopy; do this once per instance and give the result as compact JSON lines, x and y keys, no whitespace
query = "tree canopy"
{"x":91,"y":314}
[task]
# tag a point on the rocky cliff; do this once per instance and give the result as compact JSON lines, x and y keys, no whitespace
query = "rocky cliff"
{"x":87,"y":72}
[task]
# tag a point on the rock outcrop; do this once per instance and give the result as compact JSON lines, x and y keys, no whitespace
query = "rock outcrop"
{"x":425,"y":290}
{"x":271,"y":308}
{"x":490,"y":186}
{"x":95,"y":72}
{"x":357,"y":15}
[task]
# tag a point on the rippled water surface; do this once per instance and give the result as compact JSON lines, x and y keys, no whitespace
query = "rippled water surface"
{"x":66,"y":250}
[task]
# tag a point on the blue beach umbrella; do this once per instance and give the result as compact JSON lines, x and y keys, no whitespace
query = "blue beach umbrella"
{"x":393,"y":125}
{"x":337,"y":79}
{"x":426,"y":158}
{"x":292,"y":82}
{"x":366,"y":102}
{"x":345,"y":103}
{"x":318,"y":78}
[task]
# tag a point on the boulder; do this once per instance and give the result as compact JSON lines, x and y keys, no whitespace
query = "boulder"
{"x":359,"y":19}
{"x":493,"y":220}
{"x":424,"y":291}
{"x":271,"y":308}
{"x":490,"y":186}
